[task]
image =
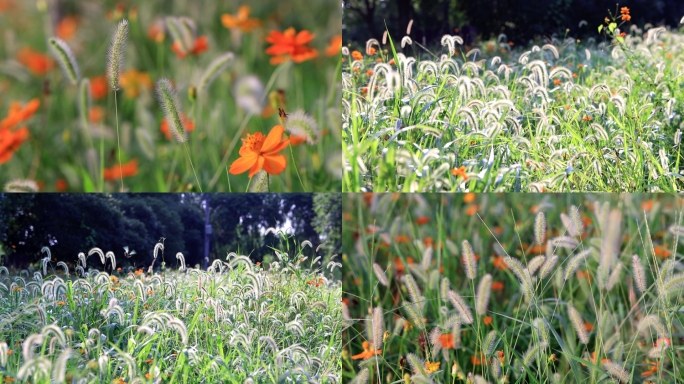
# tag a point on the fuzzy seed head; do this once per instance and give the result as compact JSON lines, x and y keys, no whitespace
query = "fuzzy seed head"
{"x":168,"y":101}
{"x":578,"y":324}
{"x":380,"y":274}
{"x":300,"y":124}
{"x":378,"y":328}
{"x":484,"y":289}
{"x":616,"y":371}
{"x":469,"y":261}
{"x":115,"y":54}
{"x":540,"y":228}
{"x":639,"y":275}
{"x":62,"y":53}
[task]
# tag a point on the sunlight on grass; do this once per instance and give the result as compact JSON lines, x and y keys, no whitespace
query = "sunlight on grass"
{"x":234,"y":322}
{"x":603,"y":114}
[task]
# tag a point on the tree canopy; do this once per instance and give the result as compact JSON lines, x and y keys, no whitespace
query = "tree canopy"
{"x":520,"y":20}
{"x":73,"y":223}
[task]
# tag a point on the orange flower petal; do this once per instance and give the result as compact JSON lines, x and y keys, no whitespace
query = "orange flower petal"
{"x":274,"y":164}
{"x":273,"y":139}
{"x":243,"y":164}
{"x":258,"y":165}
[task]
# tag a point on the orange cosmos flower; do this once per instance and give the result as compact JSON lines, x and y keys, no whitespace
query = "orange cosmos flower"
{"x":652,"y":370}
{"x":18,"y":114}
{"x":11,"y":137}
{"x":460,"y":171}
{"x":661,"y":252}
{"x":126,"y":170}
{"x":66,"y":29}
{"x":468,"y":198}
{"x":241,"y":20}
{"x":133,"y":82}
{"x":447,"y":341}
{"x":335,"y":46}
{"x":61,"y":185}
{"x":36,"y":62}
{"x":586,"y":118}
{"x":402,"y":239}
{"x":296,"y":140}
{"x":156,"y":31}
{"x":259,"y":152}
{"x":497,"y":286}
{"x":588,"y":326}
{"x":662,"y":342}
{"x":201,"y":45}
{"x":99,"y":87}
{"x":290,"y":45}
{"x":487,"y":320}
{"x":164,"y":127}
{"x":422,"y":220}
{"x":356,"y":55}
{"x":368,"y":351}
{"x":95,"y":114}
{"x":499,"y":263}
{"x":478,"y":360}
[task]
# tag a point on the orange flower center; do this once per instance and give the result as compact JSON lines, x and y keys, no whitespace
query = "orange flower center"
{"x":253,"y":142}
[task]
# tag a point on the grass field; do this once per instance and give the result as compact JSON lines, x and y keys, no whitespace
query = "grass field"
{"x":234,"y":323}
{"x":574,"y":288}
{"x":237,"y":69}
{"x":602,"y":114}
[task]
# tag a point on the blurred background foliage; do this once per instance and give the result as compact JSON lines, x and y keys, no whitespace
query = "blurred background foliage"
{"x":73,"y":223}
{"x":520,"y":20}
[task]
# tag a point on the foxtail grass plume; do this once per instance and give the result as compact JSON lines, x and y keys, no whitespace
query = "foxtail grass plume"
{"x":378,"y":328}
{"x":62,"y":53}
{"x":259,"y":182}
{"x":215,"y":68}
{"x":460,"y":305}
{"x":300,"y":124}
{"x":578,"y":324}
{"x":484,"y":289}
{"x":469,"y":261}
{"x":115,"y":54}
{"x":168,"y":101}
{"x":639,"y":275}
{"x":616,"y":371}
{"x":21,"y":186}
{"x":380,"y":274}
{"x":540,"y":228}
{"x":548,"y":266}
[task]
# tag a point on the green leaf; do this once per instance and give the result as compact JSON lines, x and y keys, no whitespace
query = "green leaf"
{"x":600,"y":28}
{"x":88,"y":185}
{"x":620,"y":39}
{"x":612,"y":26}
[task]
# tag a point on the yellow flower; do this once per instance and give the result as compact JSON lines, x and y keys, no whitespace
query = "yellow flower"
{"x":431,"y":367}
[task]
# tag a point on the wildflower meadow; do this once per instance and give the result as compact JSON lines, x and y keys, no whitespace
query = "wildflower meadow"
{"x":557,"y":114}
{"x":176,"y":96}
{"x":492,"y":288}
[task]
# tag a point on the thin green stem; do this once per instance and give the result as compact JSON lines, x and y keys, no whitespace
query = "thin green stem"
{"x":192,"y":166}
{"x":118,"y":141}
{"x":294,"y":164}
